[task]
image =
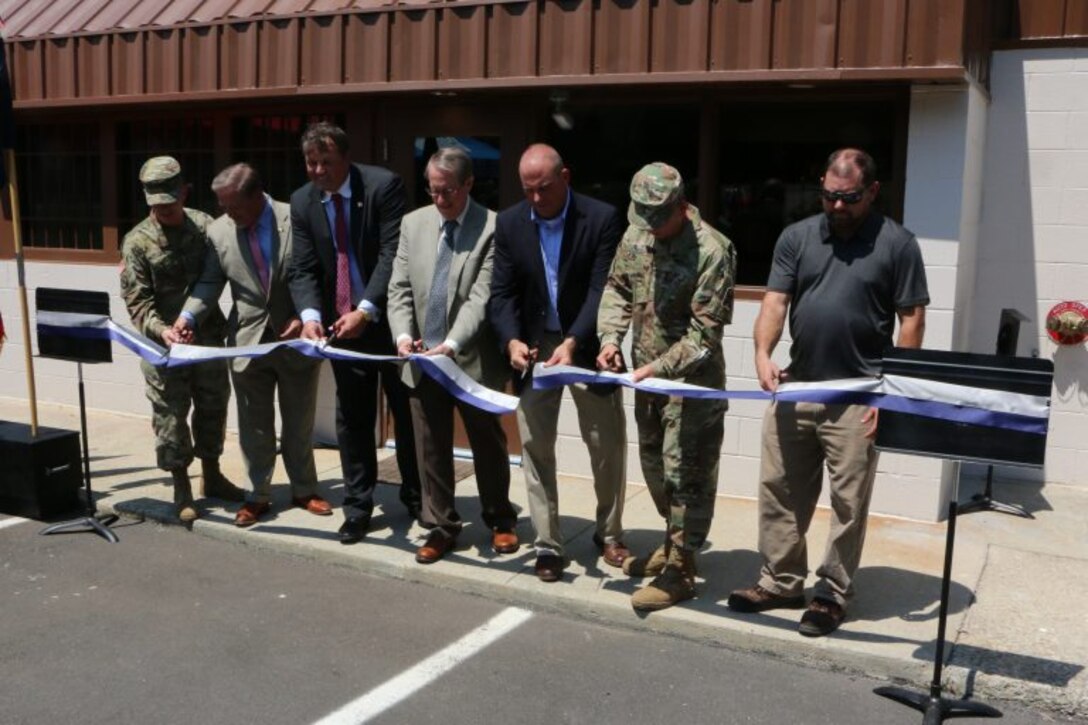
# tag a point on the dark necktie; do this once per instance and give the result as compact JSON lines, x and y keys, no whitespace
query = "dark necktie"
{"x":343,"y":269}
{"x":434,"y":321}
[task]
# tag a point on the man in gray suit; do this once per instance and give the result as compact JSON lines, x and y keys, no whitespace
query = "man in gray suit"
{"x":249,"y":248}
{"x":437,"y":302}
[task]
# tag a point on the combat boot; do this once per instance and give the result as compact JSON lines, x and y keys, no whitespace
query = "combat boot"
{"x":674,"y":585}
{"x":651,"y":565}
{"x":213,"y":484}
{"x":183,"y":496}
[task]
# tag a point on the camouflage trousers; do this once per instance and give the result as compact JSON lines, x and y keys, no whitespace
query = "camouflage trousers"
{"x":680,"y":444}
{"x":206,"y":389}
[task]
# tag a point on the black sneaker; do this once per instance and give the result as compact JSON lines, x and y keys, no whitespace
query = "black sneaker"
{"x":822,"y":618}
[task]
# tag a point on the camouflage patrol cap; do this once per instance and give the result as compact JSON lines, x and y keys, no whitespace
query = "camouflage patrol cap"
{"x":654,"y":190}
{"x":161,"y":177}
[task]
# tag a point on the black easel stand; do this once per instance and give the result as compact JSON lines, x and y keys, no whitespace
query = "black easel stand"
{"x":985,"y":502}
{"x":91,"y":521}
{"x":935,"y":707}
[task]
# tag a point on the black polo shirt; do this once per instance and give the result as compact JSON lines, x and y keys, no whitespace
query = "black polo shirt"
{"x":845,"y":293}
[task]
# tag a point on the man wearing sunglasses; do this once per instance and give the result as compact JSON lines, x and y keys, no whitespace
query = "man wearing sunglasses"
{"x":671,"y":284}
{"x":844,"y":277}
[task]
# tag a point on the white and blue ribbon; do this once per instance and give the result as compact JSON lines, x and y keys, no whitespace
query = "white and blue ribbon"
{"x":440,"y":368}
{"x":917,"y":396}
{"x":957,"y":403}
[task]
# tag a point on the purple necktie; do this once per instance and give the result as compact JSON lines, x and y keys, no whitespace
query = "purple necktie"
{"x":258,"y":257}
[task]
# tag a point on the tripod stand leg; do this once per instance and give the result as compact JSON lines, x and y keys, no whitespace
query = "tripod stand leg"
{"x":87,"y":523}
{"x":985,"y":501}
{"x":91,"y":521}
{"x":935,"y":707}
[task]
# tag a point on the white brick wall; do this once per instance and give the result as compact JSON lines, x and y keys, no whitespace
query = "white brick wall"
{"x":1034,"y":227}
{"x":118,"y":386}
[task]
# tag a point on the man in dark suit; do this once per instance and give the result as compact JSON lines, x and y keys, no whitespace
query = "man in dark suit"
{"x":437,"y":305}
{"x":552,"y":255}
{"x":346,"y":225}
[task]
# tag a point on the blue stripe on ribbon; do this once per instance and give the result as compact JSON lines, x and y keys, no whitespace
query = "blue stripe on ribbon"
{"x":452,"y":379}
{"x":90,"y":327}
{"x":431,"y":368}
{"x":854,"y":392}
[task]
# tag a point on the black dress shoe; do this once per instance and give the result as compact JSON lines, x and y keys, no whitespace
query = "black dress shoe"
{"x":549,"y":567}
{"x":353,"y":530}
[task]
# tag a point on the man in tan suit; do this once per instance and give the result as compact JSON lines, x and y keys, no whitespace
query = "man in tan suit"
{"x":437,"y":302}
{"x":248,"y":248}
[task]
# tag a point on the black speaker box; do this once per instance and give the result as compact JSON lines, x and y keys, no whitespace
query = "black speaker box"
{"x":40,"y":477}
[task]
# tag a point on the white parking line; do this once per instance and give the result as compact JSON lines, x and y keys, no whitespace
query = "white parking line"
{"x":12,"y":522}
{"x":386,"y":695}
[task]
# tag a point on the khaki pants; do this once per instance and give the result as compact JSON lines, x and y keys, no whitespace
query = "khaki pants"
{"x":798,"y":440}
{"x":603,"y":427}
{"x":255,"y":388}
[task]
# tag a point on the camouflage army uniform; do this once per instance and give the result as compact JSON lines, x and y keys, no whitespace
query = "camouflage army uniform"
{"x":676,"y":295}
{"x":159,"y":267}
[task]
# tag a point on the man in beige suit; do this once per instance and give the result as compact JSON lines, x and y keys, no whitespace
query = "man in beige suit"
{"x":248,"y":248}
{"x":437,"y":302}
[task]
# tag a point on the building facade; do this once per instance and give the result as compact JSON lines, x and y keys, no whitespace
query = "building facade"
{"x":977,"y":114}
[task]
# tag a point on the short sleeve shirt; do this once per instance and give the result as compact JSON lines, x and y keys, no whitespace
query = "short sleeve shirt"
{"x":845,"y":293}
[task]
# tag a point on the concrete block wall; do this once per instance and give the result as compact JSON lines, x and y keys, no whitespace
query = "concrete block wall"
{"x":1034,"y":230}
{"x":118,"y":386}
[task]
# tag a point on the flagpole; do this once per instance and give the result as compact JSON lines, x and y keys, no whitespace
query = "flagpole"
{"x":17,"y":234}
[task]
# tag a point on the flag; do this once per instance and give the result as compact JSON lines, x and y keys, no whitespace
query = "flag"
{"x":7,"y":120}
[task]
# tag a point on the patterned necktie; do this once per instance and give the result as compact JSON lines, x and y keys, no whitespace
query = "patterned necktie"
{"x":434,"y":321}
{"x":343,"y":271}
{"x":258,"y":257}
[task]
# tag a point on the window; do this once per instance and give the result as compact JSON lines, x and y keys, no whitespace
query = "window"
{"x":189,"y":140}
{"x":484,"y":151}
{"x":608,"y":144}
{"x":771,"y":158}
{"x":270,"y":144}
{"x":58,"y":167}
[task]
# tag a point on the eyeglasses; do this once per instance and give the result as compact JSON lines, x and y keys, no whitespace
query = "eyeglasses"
{"x":846,"y":197}
{"x":445,"y":193}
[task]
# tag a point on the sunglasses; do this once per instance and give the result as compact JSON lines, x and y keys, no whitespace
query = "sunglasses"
{"x":846,"y":197}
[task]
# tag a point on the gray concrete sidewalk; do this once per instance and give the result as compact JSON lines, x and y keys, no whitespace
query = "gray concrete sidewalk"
{"x":1015,"y":628}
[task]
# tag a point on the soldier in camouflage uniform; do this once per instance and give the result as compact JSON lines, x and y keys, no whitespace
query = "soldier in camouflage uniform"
{"x":161,"y":258}
{"x":671,"y":282}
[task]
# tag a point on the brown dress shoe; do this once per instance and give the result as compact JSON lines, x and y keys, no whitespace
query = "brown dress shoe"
{"x":549,"y":567}
{"x":504,"y":541}
{"x":314,"y":504}
{"x":250,"y":513}
{"x":757,"y":599}
{"x":613,"y":552}
{"x":436,"y":546}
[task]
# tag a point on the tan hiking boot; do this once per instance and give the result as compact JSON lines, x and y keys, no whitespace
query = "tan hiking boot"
{"x":183,"y":497}
{"x":651,"y":565}
{"x":213,"y":484}
{"x":674,"y":585}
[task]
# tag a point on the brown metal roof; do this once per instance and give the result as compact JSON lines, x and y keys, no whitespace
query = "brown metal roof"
{"x":75,"y":52}
{"x":25,"y":19}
